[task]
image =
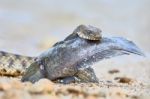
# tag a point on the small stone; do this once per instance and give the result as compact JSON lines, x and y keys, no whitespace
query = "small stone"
{"x":113,"y":71}
{"x":74,"y":89}
{"x":124,"y":80}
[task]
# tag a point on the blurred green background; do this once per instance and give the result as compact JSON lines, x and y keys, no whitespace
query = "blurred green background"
{"x":29,"y":27}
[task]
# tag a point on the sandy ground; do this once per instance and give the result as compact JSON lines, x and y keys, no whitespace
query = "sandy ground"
{"x":12,"y":88}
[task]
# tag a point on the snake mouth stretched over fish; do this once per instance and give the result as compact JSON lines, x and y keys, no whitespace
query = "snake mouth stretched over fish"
{"x":69,"y":60}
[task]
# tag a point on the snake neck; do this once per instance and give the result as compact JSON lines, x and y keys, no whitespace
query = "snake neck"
{"x":13,"y":64}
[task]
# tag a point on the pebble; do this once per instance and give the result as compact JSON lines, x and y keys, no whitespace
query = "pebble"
{"x":124,"y":80}
{"x":113,"y":71}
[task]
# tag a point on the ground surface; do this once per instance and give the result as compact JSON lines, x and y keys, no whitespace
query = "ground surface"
{"x":12,"y":88}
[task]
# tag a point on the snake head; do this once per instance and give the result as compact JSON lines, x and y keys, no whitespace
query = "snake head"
{"x":88,"y":32}
{"x":33,"y":73}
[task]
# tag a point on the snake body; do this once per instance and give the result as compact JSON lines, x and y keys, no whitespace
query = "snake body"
{"x":14,"y":64}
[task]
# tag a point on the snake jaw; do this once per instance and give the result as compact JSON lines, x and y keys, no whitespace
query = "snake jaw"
{"x":88,"y":37}
{"x":88,"y":32}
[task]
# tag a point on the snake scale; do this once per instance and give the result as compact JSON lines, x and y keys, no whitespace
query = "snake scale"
{"x":13,"y":64}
